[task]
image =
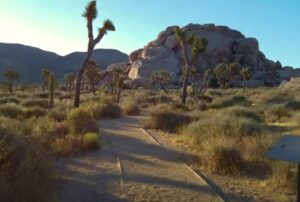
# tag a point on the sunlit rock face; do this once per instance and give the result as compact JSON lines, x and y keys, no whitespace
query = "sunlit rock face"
{"x":225,"y":45}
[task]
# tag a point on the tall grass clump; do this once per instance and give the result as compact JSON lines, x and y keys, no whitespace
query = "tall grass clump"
{"x":166,"y":120}
{"x":104,"y":110}
{"x":81,"y":122}
{"x":25,"y":173}
{"x":11,"y":110}
{"x":277,"y":112}
{"x":34,"y":112}
{"x":222,"y":102}
{"x":226,"y":160}
{"x":131,"y":107}
{"x":35,"y":102}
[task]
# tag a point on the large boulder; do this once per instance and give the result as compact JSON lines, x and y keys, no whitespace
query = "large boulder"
{"x":154,"y":59}
{"x":225,"y":45}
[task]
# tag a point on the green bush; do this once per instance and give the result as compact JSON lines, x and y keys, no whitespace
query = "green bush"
{"x":104,"y":110}
{"x":35,"y":102}
{"x":34,"y":111}
{"x":228,"y":101}
{"x":166,"y":120}
{"x":131,"y":108}
{"x":222,"y":125}
{"x":91,"y":141}
{"x":284,"y":175}
{"x":57,"y":115}
{"x":11,"y":110}
{"x":81,"y":122}
{"x":225,"y":161}
{"x":240,"y":111}
{"x":5,"y":100}
{"x":44,"y":95}
{"x":277,"y":112}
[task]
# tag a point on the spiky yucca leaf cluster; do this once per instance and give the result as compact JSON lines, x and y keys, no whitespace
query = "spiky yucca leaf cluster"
{"x":90,"y":12}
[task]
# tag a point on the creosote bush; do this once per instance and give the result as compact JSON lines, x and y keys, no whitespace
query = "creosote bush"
{"x":57,"y":115}
{"x":226,"y":161}
{"x":11,"y":110}
{"x":34,"y":111}
{"x":104,"y":110}
{"x":35,"y":102}
{"x":229,"y":101}
{"x":81,"y":122}
{"x":25,"y":172}
{"x":166,"y":120}
{"x":277,"y":112}
{"x":131,"y":107}
{"x":91,"y":141}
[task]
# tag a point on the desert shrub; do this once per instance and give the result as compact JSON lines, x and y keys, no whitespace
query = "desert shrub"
{"x":35,"y":102}
{"x":91,"y":141}
{"x":81,"y":122}
{"x":222,"y":125}
{"x":225,"y":160}
{"x":228,"y":101}
{"x":61,"y":129}
{"x":76,"y":144}
{"x":131,"y":107}
{"x":23,"y":95}
{"x":42,"y":95}
{"x":104,"y":110}
{"x":57,"y":115}
{"x":269,"y":97}
{"x":178,"y":107}
{"x":25,"y":172}
{"x":5,"y":100}
{"x":65,"y":96}
{"x":240,"y":111}
{"x":11,"y":110}
{"x":166,"y":120}
{"x":284,"y":175}
{"x":67,"y":145}
{"x":293,"y":105}
{"x":277,"y":112}
{"x":34,"y":111}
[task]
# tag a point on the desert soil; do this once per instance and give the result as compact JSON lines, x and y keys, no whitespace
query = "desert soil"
{"x":131,"y":166}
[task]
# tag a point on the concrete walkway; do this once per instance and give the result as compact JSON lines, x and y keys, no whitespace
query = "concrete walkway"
{"x":131,"y":167}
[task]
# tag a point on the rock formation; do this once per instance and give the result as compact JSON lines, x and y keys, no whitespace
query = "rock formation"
{"x":225,"y":45}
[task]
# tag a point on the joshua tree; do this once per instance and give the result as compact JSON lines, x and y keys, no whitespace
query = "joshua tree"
{"x":45,"y":76}
{"x":69,"y":80}
{"x":51,"y":88}
{"x":118,"y":82}
{"x":11,"y":77}
{"x":90,"y":14}
{"x":225,"y":73}
{"x":198,"y":46}
{"x":92,"y":73}
{"x":246,"y":74}
{"x":162,"y":78}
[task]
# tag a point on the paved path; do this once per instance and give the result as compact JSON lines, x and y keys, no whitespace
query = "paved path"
{"x":130,"y":167}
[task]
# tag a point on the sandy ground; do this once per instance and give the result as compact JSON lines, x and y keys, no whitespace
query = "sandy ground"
{"x":131,"y":166}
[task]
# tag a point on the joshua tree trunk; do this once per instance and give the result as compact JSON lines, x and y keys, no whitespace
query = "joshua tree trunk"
{"x":91,"y":45}
{"x":93,"y":87}
{"x":245,"y":84}
{"x":185,"y":75}
{"x":163,"y":87}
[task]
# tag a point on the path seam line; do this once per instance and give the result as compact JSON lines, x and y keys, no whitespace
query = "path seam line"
{"x":121,"y":170}
{"x":187,"y":166}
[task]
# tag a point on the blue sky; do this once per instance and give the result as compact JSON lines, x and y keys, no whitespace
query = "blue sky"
{"x":57,"y":25}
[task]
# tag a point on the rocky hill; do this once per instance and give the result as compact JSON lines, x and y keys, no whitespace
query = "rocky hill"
{"x":225,"y":45}
{"x":29,"y":61}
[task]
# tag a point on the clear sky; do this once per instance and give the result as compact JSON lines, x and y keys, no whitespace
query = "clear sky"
{"x":57,"y":25}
